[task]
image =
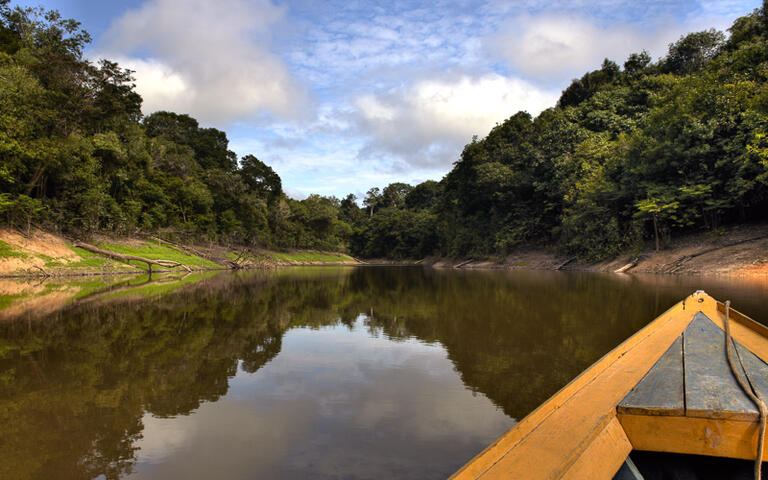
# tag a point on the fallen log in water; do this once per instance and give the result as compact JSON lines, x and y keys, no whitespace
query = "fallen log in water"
{"x":562,"y":265}
{"x":128,"y":258}
{"x":632,"y":263}
{"x":463,"y":263}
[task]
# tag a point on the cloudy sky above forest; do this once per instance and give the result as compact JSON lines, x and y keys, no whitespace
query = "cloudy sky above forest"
{"x":341,"y":96}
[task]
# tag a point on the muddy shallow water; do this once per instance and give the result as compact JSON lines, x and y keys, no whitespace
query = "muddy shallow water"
{"x":312,"y":372}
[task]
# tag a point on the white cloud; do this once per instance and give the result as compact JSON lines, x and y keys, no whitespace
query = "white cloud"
{"x":295,"y":193}
{"x":555,"y":47}
{"x":359,"y":47}
{"x":563,"y":46}
{"x":158,"y":84}
{"x":427,"y":123}
{"x":209,"y":59}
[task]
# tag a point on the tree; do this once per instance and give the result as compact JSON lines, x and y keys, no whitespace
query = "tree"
{"x":679,"y":144}
{"x":349,"y":212}
{"x":115,"y":100}
{"x":423,"y":196}
{"x":693,"y":51}
{"x":394,"y":194}
{"x":260,"y":178}
{"x":637,"y":62}
{"x":210,"y":145}
{"x":372,"y":199}
{"x":659,"y":209}
{"x":582,"y":89}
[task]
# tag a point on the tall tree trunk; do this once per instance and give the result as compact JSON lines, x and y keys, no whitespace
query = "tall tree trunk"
{"x":35,"y":178}
{"x":656,"y":231}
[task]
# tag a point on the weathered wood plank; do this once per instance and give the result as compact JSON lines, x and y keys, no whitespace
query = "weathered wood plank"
{"x":716,"y":437}
{"x":661,"y":391}
{"x":752,"y":335}
{"x":744,"y":321}
{"x":603,"y":456}
{"x":756,"y":370}
{"x":711,"y":391}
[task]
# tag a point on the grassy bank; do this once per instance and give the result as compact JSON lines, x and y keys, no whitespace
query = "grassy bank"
{"x":309,"y":257}
{"x":41,"y":253}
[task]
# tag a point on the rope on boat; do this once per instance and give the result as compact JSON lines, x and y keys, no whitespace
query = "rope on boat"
{"x":748,"y":390}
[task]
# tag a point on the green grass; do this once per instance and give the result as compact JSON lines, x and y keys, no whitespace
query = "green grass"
{"x":51,"y":262}
{"x":7,"y":250}
{"x":310,"y":257}
{"x":87,"y":260}
{"x":152,"y":252}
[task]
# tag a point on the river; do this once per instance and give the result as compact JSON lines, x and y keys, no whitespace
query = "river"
{"x":311,"y":372}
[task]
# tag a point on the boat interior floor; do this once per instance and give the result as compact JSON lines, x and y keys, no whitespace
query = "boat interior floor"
{"x":672,"y":466}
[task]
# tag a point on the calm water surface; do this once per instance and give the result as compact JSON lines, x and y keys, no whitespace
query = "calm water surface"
{"x":323,"y":373}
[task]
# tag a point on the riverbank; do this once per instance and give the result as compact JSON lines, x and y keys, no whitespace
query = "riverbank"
{"x":39,"y":253}
{"x":736,"y":251}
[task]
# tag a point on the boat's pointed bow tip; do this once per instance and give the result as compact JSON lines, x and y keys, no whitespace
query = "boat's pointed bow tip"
{"x":701,"y":296}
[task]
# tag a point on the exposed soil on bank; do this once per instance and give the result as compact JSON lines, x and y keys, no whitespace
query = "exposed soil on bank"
{"x":39,"y":253}
{"x":737,"y":251}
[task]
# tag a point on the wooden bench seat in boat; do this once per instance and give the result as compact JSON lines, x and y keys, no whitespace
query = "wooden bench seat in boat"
{"x":690,"y":401}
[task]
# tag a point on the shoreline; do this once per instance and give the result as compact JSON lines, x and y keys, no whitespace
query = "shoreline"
{"x":740,"y":251}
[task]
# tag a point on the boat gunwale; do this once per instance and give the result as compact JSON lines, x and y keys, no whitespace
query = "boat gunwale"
{"x":509,"y":439}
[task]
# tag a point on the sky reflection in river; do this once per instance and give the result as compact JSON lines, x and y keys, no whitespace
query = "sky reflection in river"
{"x":336,"y":403}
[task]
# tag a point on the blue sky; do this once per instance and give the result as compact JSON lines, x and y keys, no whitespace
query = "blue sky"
{"x":341,"y":96}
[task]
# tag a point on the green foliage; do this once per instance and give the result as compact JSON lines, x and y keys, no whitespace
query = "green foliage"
{"x":583,"y":88}
{"x":260,"y":177}
{"x":693,"y":51}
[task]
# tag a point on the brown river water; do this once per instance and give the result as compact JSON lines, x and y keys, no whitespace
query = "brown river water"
{"x":310,"y":372}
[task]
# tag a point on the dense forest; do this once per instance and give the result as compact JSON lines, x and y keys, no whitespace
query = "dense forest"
{"x":631,"y":153}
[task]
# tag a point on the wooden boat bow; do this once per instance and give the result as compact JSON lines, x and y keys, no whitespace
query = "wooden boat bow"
{"x":668,"y":388}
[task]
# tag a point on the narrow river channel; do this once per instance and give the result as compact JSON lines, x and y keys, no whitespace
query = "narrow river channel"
{"x":312,"y":372}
